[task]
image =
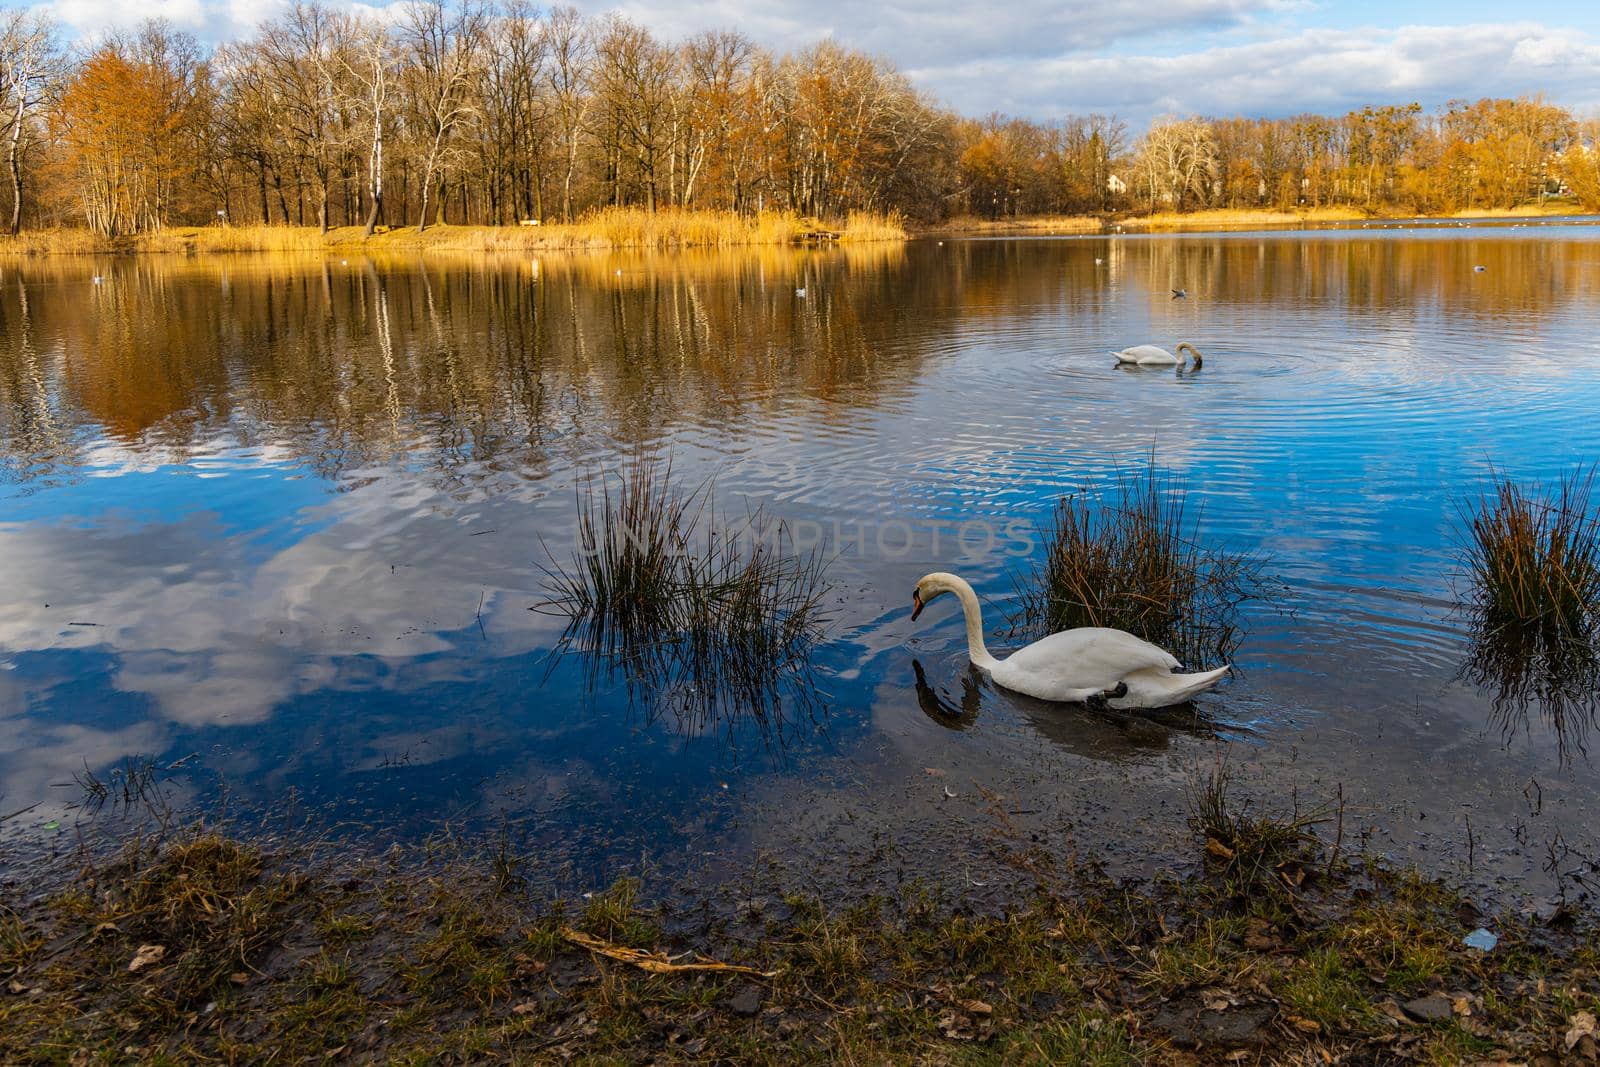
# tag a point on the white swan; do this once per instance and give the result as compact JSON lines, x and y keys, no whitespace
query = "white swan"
{"x":1156,"y":356}
{"x":1088,"y":663}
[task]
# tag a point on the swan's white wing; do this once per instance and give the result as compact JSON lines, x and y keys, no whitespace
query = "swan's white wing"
{"x":1146,"y":354}
{"x":1089,"y":658}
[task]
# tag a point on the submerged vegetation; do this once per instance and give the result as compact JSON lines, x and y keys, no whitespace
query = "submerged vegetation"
{"x":1135,"y":562}
{"x":1532,"y":555}
{"x":709,"y":617}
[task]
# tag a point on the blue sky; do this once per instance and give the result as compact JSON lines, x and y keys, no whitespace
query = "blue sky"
{"x":1045,"y":58}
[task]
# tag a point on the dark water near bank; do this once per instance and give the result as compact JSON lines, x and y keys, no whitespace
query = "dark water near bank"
{"x":281,"y":523}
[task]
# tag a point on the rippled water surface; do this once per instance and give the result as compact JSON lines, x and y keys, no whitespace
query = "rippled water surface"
{"x":279,"y":525}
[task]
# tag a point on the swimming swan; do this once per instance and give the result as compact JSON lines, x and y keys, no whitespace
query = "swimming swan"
{"x":1156,"y":356}
{"x":1090,"y":663}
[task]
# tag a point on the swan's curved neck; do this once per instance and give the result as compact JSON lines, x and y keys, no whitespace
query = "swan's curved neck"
{"x":1194,"y":353}
{"x":973,"y":612}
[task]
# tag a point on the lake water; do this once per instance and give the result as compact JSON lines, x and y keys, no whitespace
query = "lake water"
{"x":278,"y":525}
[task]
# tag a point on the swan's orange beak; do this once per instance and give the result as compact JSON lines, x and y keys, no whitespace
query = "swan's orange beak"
{"x":916,"y":604}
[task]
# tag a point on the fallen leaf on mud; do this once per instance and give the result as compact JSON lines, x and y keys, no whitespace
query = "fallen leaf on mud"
{"x":105,"y":928}
{"x":1217,"y":1005}
{"x":527,"y":965}
{"x":527,"y":1007}
{"x":1583,"y":1025}
{"x":977,"y":1007}
{"x":1218,"y":849}
{"x":17,"y":987}
{"x":146,"y":955}
{"x":1262,"y":936}
{"x":936,"y":772}
{"x":239,"y":978}
{"x":1309,"y":1026}
{"x":1461,"y":1004}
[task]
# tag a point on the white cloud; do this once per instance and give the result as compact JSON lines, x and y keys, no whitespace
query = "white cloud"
{"x":1311,"y":70}
{"x":1041,"y":59}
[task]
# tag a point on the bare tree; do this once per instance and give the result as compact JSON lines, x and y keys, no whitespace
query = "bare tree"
{"x":1178,"y":161}
{"x":633,"y":80}
{"x":304,"y":56}
{"x":367,"y":63}
{"x":443,"y":46}
{"x":27,"y":59}
{"x":568,"y":44}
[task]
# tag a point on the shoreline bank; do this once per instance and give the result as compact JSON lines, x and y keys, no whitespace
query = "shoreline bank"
{"x":1272,"y":945}
{"x":627,"y":230}
{"x":1228,"y":220}
{"x":613,"y":230}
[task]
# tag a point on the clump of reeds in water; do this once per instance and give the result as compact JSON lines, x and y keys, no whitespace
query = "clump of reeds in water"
{"x":705,"y":617}
{"x":1135,"y":562}
{"x":1533,"y":559}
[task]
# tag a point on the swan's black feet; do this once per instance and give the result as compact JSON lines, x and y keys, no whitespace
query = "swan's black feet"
{"x":1098,"y":701}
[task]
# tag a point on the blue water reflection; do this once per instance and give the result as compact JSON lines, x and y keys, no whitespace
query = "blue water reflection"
{"x":286,"y":518}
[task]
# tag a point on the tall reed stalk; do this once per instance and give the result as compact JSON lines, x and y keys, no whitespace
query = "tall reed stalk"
{"x":709,"y":617}
{"x":1135,"y":562}
{"x":1532,"y":556}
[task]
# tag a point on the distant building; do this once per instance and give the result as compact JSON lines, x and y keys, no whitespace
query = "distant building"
{"x":1116,"y":185}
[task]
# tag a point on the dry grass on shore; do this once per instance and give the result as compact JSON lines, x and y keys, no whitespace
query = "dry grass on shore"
{"x":1031,"y":224}
{"x":611,"y":228}
{"x":1522,"y":211}
{"x":1183,"y":220}
{"x":208,"y":948}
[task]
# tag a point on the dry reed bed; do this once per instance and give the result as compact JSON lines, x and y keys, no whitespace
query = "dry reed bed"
{"x":611,"y":228}
{"x":1531,"y":553}
{"x":1163,"y":220}
{"x":713,"y":617}
{"x":1134,"y":560}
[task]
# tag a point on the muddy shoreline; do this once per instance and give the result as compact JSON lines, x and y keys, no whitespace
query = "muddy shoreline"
{"x":1274,"y":941}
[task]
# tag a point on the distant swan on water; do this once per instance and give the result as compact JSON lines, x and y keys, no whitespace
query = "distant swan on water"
{"x":1156,"y":356}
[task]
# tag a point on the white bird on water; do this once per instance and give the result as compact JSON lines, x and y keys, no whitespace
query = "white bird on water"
{"x":801,"y":292}
{"x":1479,"y":269}
{"x":1087,"y":664}
{"x":1180,"y":294}
{"x":1156,"y":356}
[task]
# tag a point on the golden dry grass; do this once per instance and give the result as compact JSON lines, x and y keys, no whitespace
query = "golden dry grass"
{"x":1175,"y":220}
{"x":1028,"y":224}
{"x":45,"y":242}
{"x":1521,"y":211}
{"x":606,"y":229}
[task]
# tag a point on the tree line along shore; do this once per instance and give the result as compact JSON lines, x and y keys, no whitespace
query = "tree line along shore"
{"x":500,"y":114}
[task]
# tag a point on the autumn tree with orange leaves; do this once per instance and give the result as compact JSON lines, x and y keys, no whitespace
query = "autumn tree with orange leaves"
{"x":127,"y":127}
{"x":494,"y":112}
